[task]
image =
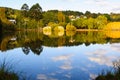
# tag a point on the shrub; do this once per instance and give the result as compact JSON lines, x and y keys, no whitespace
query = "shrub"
{"x":70,"y":27}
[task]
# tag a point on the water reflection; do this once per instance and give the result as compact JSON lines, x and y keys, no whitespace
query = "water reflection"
{"x":73,"y":56}
{"x":66,"y":61}
{"x":113,"y":34}
{"x":34,"y":46}
{"x":35,"y":40}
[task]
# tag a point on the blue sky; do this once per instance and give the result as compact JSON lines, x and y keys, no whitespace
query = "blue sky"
{"x":102,"y":6}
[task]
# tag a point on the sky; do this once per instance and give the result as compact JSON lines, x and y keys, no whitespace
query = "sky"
{"x":94,"y":6}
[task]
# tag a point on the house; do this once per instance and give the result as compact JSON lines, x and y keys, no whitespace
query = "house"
{"x":13,"y":21}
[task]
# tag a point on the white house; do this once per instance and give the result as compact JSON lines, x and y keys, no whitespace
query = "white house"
{"x":13,"y":21}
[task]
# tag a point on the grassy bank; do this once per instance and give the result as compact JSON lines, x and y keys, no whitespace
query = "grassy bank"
{"x":111,"y":75}
{"x":7,"y":72}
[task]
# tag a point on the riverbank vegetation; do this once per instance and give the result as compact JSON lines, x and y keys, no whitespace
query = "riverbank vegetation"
{"x":35,"y":18}
{"x":5,"y":24}
{"x":7,"y":72}
{"x":114,"y":74}
{"x":33,"y":41}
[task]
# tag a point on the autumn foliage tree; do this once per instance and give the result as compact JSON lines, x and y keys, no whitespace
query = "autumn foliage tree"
{"x":61,"y":17}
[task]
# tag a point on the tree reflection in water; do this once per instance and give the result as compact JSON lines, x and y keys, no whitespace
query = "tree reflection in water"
{"x":33,"y":41}
{"x":34,"y":46}
{"x":26,"y":50}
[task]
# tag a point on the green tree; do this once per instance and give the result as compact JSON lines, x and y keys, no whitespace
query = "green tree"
{"x":90,"y":23}
{"x":70,"y":27}
{"x":88,"y":14}
{"x":49,"y":16}
{"x":78,"y":23}
{"x":35,"y":12}
{"x":9,"y":13}
{"x":61,"y":17}
{"x":25,"y":9}
{"x":101,"y":21}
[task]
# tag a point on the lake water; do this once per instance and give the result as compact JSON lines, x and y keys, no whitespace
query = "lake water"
{"x":57,"y":56}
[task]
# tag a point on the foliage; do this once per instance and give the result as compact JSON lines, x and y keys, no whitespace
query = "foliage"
{"x":115,"y":17}
{"x":79,"y":23}
{"x":49,"y":16}
{"x":59,"y":30}
{"x":70,"y":33}
{"x":113,"y":26}
{"x":6,"y":24}
{"x":40,"y":23}
{"x":70,"y":27}
{"x":91,"y":23}
{"x":3,"y":15}
{"x":62,"y":24}
{"x":35,"y":12}
{"x":10,"y":13}
{"x":6,"y":72}
{"x":111,"y":75}
{"x":51,"y":38}
{"x":101,"y":21}
{"x":75,"y":13}
{"x":61,"y":17}
{"x":88,"y":14}
{"x":53,"y":25}
{"x":24,"y":10}
{"x":31,"y":24}
{"x":47,"y":30}
{"x":39,"y":18}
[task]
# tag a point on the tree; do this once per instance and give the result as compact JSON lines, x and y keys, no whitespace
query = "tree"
{"x":101,"y":21}
{"x":88,"y":14}
{"x":61,"y":17}
{"x":35,"y":12}
{"x":70,"y":27}
{"x":49,"y":16}
{"x":0,"y":27}
{"x":26,"y":50}
{"x":90,"y":23}
{"x":9,"y":13}
{"x":25,"y":9}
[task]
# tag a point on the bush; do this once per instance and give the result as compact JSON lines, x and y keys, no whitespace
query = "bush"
{"x":6,"y":72}
{"x":111,"y":75}
{"x":70,"y":27}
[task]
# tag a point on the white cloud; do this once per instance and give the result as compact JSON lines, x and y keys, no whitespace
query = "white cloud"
{"x":100,"y":56}
{"x":66,"y":67}
{"x":68,"y":76}
{"x":44,"y":77}
{"x":97,"y":2}
{"x":62,"y":57}
{"x":93,"y":76}
{"x":104,"y":5}
{"x":115,"y":47}
{"x":116,"y":9}
{"x":66,"y":61}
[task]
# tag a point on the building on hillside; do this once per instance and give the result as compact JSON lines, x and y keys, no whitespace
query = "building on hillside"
{"x":13,"y":21}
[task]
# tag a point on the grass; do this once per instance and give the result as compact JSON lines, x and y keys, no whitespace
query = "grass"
{"x":7,"y":71}
{"x":111,"y":75}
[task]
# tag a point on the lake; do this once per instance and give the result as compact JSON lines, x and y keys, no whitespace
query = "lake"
{"x":60,"y":56}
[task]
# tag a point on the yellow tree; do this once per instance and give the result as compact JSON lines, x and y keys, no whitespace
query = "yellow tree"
{"x":3,"y":16}
{"x":61,"y":17}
